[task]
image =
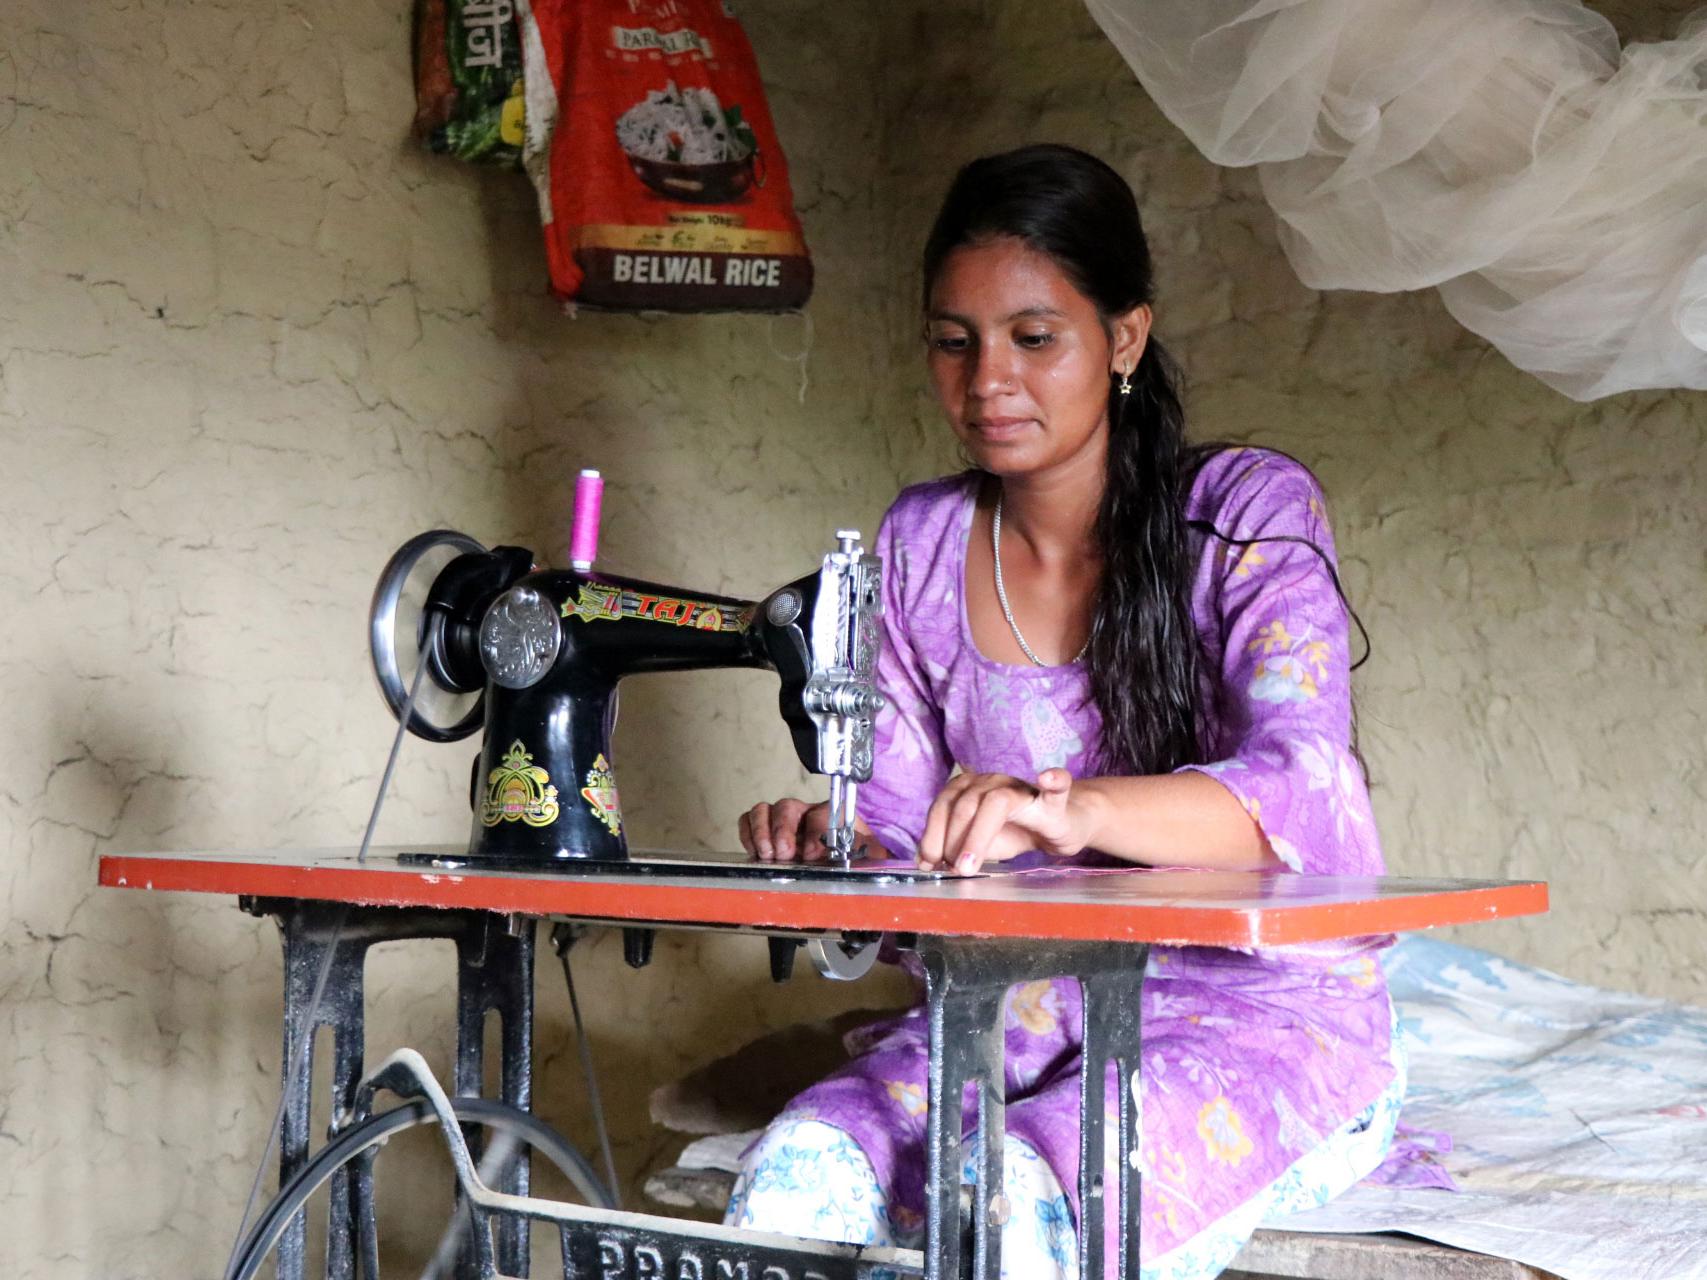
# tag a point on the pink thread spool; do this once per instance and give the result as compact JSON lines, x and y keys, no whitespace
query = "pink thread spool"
{"x":584,"y":533}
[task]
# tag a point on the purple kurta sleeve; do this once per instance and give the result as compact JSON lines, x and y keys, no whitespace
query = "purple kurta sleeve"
{"x":1282,"y":698}
{"x":910,"y":758}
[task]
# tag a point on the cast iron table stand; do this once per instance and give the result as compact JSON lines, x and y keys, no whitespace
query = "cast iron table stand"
{"x":494,"y":969}
{"x":967,"y":980}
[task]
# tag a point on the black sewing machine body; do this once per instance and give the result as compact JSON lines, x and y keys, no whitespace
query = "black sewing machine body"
{"x":545,"y":785}
{"x":541,"y":653}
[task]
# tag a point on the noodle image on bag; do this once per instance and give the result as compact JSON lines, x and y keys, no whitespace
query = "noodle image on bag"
{"x":662,"y":184}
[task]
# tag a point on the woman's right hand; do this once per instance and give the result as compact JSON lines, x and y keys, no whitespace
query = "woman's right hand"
{"x":792,"y":830}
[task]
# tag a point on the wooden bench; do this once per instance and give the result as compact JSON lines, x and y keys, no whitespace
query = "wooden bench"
{"x":1270,"y":1255}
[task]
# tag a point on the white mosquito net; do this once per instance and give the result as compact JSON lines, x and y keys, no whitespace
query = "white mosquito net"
{"x":1552,"y":186}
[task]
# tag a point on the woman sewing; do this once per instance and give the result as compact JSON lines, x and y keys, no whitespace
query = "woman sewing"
{"x":1129,"y":649}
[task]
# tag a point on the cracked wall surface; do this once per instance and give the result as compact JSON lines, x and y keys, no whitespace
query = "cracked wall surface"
{"x":250,"y":340}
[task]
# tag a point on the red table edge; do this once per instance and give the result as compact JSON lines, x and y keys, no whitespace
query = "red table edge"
{"x":664,"y":903}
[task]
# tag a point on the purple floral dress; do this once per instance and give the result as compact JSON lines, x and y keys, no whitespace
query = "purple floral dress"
{"x":1250,"y":1060}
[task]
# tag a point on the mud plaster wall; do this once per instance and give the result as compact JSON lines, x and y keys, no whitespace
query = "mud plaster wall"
{"x":249,"y":340}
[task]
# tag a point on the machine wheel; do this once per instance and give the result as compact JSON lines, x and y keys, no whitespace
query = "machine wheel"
{"x":398,"y":638}
{"x":496,"y":1117}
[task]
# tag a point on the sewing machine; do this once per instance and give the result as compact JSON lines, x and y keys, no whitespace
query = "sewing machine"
{"x":464,"y":637}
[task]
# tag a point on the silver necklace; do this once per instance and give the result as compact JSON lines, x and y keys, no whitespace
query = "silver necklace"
{"x":1002,"y":593}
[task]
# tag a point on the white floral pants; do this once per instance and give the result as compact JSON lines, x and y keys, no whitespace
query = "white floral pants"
{"x":807,"y":1178}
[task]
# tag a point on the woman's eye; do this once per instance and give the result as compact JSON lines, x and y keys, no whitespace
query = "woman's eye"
{"x":1035,"y":341}
{"x":949,"y":342}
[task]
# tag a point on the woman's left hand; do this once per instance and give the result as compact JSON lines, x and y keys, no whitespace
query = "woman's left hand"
{"x":991,"y":817}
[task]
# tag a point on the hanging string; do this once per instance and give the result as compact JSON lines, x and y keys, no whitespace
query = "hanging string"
{"x":798,"y":357}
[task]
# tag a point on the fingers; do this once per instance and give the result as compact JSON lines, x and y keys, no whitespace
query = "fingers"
{"x":788,"y":837}
{"x":961,"y":816}
{"x":1054,"y":786}
{"x":758,"y":820}
{"x":966,"y":818}
{"x":967,"y":824}
{"x":1061,"y":821}
{"x":991,"y":815}
{"x":816,"y":823}
{"x":1053,"y":783}
{"x":931,"y":843}
{"x":784,"y":831}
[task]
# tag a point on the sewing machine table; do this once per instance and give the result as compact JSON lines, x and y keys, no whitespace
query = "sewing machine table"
{"x":975,"y":936}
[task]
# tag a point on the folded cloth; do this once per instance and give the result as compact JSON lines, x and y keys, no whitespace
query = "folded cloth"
{"x":719,"y":1151}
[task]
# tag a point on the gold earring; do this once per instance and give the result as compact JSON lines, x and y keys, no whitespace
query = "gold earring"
{"x":1125,"y":382}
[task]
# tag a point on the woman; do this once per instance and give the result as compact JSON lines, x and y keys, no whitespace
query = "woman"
{"x":1130,"y":650}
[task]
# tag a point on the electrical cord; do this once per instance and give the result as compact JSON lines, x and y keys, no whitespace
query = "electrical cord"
{"x":1203,"y":526}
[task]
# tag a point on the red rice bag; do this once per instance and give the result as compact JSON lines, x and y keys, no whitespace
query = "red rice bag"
{"x":662,"y":184}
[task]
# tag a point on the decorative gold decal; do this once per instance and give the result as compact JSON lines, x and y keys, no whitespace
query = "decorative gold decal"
{"x":600,"y":794}
{"x":519,"y":791}
{"x":606,"y":602}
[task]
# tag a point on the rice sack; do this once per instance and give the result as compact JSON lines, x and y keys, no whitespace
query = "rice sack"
{"x":662,"y":185}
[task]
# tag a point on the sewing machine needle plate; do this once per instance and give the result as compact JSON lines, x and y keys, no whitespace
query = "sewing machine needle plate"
{"x":676,"y":866}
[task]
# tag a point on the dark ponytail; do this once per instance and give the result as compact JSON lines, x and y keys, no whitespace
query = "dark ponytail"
{"x":1144,"y":654}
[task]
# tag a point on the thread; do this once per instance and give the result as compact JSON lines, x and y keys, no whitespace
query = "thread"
{"x":584,"y":534}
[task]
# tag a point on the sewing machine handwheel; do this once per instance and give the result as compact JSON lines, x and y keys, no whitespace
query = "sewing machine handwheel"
{"x":397,"y":632}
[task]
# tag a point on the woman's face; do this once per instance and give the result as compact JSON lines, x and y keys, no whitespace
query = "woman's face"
{"x":1020,"y":359}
